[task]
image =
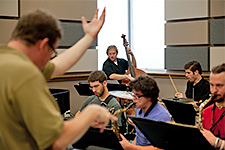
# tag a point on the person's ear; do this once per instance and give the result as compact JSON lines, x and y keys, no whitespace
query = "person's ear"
{"x":105,"y":83}
{"x":196,"y":72}
{"x":44,"y":43}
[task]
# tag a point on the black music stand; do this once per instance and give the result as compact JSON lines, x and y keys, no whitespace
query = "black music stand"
{"x":172,"y":136}
{"x":181,"y":112}
{"x":83,"y":88}
{"x":63,"y":99}
{"x":93,"y":137}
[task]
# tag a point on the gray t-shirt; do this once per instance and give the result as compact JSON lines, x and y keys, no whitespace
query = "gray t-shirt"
{"x":113,"y":103}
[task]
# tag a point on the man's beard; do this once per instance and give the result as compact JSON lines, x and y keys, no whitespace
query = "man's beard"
{"x":102,"y":92}
{"x":220,"y":99}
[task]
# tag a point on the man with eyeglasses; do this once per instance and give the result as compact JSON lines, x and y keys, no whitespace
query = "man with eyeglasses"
{"x":145,"y":96}
{"x":98,"y":84}
{"x":30,"y":116}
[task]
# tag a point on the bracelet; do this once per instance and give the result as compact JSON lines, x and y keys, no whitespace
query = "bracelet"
{"x":222,"y":145}
{"x":216,"y":142}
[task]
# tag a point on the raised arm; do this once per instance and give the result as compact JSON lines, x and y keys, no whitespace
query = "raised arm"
{"x":67,"y":59}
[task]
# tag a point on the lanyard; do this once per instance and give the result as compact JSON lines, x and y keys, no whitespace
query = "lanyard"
{"x":220,"y":118}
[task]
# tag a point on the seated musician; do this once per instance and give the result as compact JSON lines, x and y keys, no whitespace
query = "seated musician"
{"x":214,"y":115}
{"x":197,"y":87}
{"x":146,"y":92}
{"x":98,"y":84}
{"x":115,"y":68}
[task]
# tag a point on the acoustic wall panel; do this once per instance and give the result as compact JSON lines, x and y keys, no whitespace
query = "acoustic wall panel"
{"x":187,"y":33}
{"x":6,"y":28}
{"x":87,"y":63}
{"x":62,"y":9}
{"x":217,"y":8}
{"x":72,"y":32}
{"x":217,"y":56}
{"x":9,"y":8}
{"x":186,"y":9}
{"x":217,"y":31}
{"x":177,"y":57}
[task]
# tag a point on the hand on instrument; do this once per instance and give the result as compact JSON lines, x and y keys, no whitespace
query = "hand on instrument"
{"x":130,"y":122}
{"x":197,"y":104}
{"x":179,"y":95}
{"x":124,"y":143}
{"x":209,"y":136}
{"x":95,"y":25}
{"x":194,"y":103}
{"x":129,"y":50}
{"x":129,"y":77}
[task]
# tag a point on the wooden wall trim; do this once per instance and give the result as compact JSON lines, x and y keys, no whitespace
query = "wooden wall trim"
{"x":84,"y":76}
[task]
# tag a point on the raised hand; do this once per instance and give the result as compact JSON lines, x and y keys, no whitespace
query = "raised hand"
{"x":92,"y":28}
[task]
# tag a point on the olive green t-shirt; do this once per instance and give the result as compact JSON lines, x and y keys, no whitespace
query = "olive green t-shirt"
{"x":29,"y":115}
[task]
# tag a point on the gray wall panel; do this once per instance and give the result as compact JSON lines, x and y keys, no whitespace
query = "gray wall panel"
{"x":87,"y":63}
{"x":217,"y":56}
{"x":72,"y":32}
{"x":217,"y":31}
{"x":217,"y":8}
{"x":177,"y":57}
{"x":62,"y":9}
{"x":9,"y":8}
{"x":6,"y":28}
{"x":186,"y":9}
{"x":186,"y":33}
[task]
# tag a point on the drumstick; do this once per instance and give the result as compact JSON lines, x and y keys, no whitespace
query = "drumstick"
{"x":173,"y":84}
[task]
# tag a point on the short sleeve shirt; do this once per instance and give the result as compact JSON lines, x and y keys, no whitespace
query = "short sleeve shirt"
{"x":158,"y":113}
{"x":110,"y":67}
{"x":113,"y":103}
{"x":30,"y":116}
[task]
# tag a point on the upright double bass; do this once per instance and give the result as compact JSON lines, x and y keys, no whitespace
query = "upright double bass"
{"x":132,"y":70}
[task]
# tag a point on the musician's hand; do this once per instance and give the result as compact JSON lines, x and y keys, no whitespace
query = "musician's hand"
{"x":179,"y":95}
{"x":195,"y":104}
{"x":124,"y":143}
{"x":209,"y":136}
{"x":129,"y":78}
{"x":129,"y":51}
{"x":130,"y":122}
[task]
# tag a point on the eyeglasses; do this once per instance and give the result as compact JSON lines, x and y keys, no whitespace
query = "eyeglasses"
{"x":92,"y":87}
{"x":54,"y":53}
{"x":137,"y":96}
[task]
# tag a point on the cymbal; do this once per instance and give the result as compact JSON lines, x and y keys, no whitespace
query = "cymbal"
{"x":121,"y":94}
{"x":183,"y":100}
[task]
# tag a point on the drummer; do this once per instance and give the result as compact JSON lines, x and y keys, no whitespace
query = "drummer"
{"x":197,"y":87}
{"x":98,"y":84}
